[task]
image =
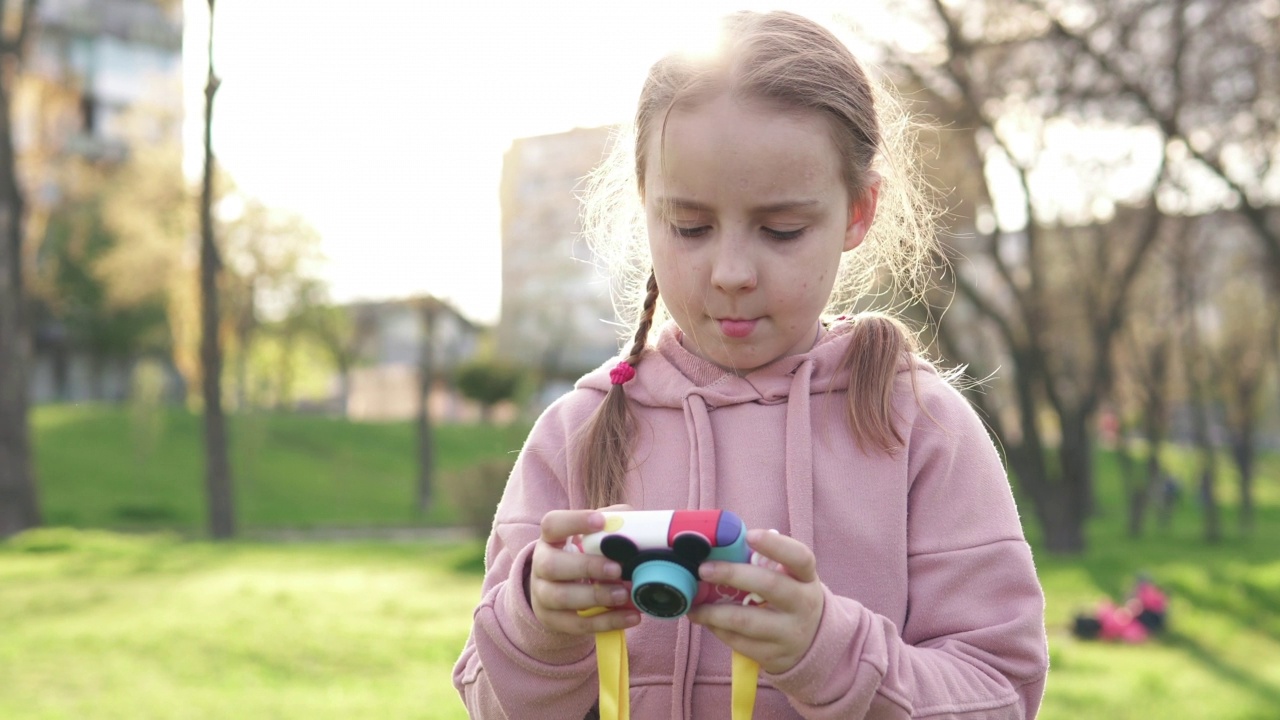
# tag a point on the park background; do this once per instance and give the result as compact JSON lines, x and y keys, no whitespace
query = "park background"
{"x":390,"y":237}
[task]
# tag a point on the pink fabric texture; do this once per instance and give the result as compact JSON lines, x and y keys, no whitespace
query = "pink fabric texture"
{"x":932,"y":606}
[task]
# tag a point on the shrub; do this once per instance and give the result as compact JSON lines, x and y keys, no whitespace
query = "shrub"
{"x":488,"y":383}
{"x":475,"y":492}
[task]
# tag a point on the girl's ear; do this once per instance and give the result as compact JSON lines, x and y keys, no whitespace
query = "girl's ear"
{"x":862,"y":211}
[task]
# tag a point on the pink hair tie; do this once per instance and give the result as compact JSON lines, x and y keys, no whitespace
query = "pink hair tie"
{"x":621,"y":373}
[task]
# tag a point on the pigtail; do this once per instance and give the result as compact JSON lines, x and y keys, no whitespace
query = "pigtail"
{"x":606,"y":439}
{"x":878,"y":346}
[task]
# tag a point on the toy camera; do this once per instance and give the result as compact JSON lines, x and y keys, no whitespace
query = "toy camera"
{"x":660,"y":551}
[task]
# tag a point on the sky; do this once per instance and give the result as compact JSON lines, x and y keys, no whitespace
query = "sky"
{"x":384,"y":122}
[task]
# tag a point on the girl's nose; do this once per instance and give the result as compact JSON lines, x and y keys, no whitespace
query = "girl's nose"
{"x":734,"y":270}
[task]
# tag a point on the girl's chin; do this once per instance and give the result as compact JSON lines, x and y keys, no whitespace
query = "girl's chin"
{"x":738,"y":363}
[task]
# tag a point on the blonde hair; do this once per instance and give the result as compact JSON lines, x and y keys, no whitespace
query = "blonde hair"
{"x":792,"y":63}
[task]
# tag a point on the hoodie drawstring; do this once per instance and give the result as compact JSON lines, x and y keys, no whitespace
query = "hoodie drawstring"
{"x":702,"y":495}
{"x":799,"y":456}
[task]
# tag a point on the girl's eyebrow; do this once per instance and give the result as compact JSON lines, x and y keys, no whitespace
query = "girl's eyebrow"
{"x":784,"y":206}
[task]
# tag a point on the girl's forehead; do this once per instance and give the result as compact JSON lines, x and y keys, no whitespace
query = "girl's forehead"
{"x":730,"y":147}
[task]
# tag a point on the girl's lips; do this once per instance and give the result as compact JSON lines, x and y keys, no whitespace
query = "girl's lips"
{"x":737,"y":328}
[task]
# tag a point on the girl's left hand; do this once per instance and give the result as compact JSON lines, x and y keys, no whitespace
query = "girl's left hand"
{"x":777,"y":634}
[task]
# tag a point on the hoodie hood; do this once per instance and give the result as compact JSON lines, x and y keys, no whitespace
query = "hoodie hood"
{"x":668,"y":373}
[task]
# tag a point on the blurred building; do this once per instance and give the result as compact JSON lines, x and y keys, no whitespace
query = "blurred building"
{"x":390,"y":340}
{"x":98,"y":76}
{"x":556,"y":313}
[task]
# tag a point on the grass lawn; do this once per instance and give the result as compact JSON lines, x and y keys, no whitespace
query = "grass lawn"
{"x":103,"y":625}
{"x":1221,"y":657}
{"x":110,"y":626}
{"x":106,"y":626}
{"x":100,"y":467}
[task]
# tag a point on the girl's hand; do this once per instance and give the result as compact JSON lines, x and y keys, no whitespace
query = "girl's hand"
{"x":777,"y":634}
{"x":557,"y":590}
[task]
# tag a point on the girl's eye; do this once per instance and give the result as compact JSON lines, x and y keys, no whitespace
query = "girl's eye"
{"x":783,"y":234}
{"x":691,"y":232}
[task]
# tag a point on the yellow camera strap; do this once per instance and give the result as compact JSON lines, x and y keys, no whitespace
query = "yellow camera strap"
{"x":745,"y":675}
{"x":615,"y":683}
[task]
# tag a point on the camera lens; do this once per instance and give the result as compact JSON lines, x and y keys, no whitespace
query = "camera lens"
{"x":660,"y":600}
{"x":662,"y":589}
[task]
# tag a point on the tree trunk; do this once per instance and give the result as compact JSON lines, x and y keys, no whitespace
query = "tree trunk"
{"x":344,"y":389}
{"x":1062,"y":520}
{"x":1242,"y":451}
{"x":1203,"y":440}
{"x":1063,"y":529}
{"x":1151,"y":484}
{"x":1059,"y":518}
{"x":217,"y":468}
{"x":242,"y":375}
{"x":1137,"y":482}
{"x":19,"y":503}
{"x":1075,"y":457}
{"x":426,"y":378}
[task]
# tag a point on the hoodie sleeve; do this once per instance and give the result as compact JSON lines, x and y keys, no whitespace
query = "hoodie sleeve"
{"x":511,"y":667}
{"x":973,"y":644}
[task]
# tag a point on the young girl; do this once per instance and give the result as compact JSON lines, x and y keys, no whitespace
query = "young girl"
{"x":908,"y":589}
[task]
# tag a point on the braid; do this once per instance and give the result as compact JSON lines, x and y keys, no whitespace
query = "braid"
{"x":606,"y":446}
{"x":646,"y":319}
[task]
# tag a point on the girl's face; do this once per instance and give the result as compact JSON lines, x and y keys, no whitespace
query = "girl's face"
{"x":748,"y":215}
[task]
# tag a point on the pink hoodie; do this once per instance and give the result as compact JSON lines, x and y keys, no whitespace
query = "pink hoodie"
{"x":932,"y":607}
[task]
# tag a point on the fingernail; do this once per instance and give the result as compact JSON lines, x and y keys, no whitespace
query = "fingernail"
{"x":613,"y":570}
{"x":632,"y":620}
{"x":595,"y":520}
{"x":617,"y":596}
{"x":706,"y":571}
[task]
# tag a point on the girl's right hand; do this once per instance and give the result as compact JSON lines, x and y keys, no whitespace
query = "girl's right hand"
{"x":557,"y":590}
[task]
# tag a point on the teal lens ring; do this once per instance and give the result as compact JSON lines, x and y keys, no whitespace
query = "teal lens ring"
{"x":662,"y":588}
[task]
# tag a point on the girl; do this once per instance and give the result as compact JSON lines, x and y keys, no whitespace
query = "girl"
{"x":908,"y":587}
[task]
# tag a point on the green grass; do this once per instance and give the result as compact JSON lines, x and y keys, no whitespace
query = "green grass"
{"x":1221,"y":657}
{"x":117,"y":626}
{"x":96,"y":469}
{"x":105,"y":626}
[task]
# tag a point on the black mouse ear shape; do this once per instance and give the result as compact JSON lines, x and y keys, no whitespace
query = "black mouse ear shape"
{"x":691,"y":546}
{"x":618,"y":548}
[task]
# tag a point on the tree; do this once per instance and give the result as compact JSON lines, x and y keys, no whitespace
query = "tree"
{"x":1049,"y":280}
{"x":19,"y":503}
{"x":1215,"y":101}
{"x":218,"y":484}
{"x":149,"y":207}
{"x":268,"y":256}
{"x":1147,"y":360}
{"x":70,"y":287}
{"x":428,"y":309}
{"x":1189,"y":290}
{"x":1241,"y":355}
{"x":342,"y":332}
{"x":488,"y":383}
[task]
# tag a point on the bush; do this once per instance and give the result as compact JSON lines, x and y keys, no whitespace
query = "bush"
{"x":488,"y":383}
{"x":475,"y":492}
